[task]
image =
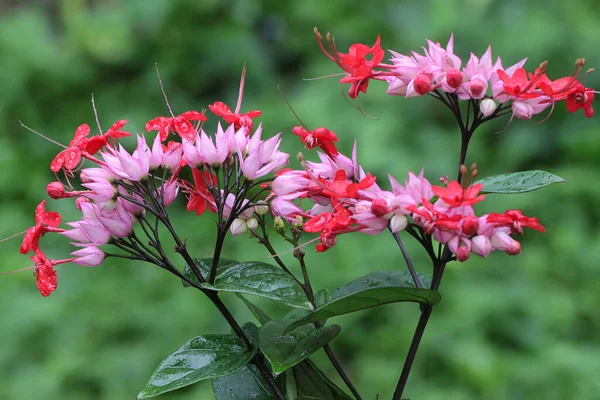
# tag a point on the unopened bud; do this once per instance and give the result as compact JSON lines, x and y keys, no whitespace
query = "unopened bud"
{"x":422,"y":84}
{"x":462,"y":254}
{"x":454,"y":78}
{"x":398,"y":223}
{"x":261,"y":208}
{"x":481,"y":245}
{"x":238,"y":226}
{"x":56,"y":190}
{"x":470,"y":225}
{"x":298,"y":223}
{"x":279,"y":225}
{"x":252,"y":223}
{"x":487,"y":107}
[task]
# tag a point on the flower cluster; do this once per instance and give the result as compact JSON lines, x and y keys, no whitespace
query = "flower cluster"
{"x":344,"y":199}
{"x":438,"y":70}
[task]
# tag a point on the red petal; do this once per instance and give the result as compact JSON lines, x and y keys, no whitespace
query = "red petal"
{"x":219,"y":109}
{"x":194,"y":116}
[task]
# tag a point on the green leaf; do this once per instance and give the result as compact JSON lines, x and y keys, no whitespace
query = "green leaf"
{"x":519,"y":182}
{"x":204,"y":357}
{"x":258,"y":313}
{"x":254,"y":278}
{"x":311,"y":383}
{"x":372,"y":290}
{"x":322,"y":297}
{"x":284,"y":350}
{"x":246,"y":384}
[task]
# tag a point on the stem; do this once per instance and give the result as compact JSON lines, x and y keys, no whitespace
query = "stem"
{"x":409,"y":263}
{"x":340,"y":371}
{"x":412,"y":351}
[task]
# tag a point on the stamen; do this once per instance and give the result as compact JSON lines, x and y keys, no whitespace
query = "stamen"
{"x":163,"y":90}
{"x":295,"y":248}
{"x":548,"y":116}
{"x":324,"y":77}
{"x":96,"y":115}
{"x":241,"y":92}
{"x":291,"y":109}
{"x":13,"y":236}
{"x":39,"y":134}
{"x":18,"y":270}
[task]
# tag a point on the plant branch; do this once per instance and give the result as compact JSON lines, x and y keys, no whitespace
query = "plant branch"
{"x":409,"y":263}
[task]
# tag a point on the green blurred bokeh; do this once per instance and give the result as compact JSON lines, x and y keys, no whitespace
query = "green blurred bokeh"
{"x":522,"y":327}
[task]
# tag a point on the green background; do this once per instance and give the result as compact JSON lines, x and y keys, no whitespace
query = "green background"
{"x":523,"y":327}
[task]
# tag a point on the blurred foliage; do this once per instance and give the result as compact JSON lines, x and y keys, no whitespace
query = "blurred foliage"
{"x":514,"y":328}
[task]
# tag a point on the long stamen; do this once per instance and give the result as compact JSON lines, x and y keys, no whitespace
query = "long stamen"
{"x":241,"y":92}
{"x":291,"y":109}
{"x":13,"y":236}
{"x":96,"y":115}
{"x":325,"y":77}
{"x":320,"y":42}
{"x":163,"y":90}
{"x":39,"y":134}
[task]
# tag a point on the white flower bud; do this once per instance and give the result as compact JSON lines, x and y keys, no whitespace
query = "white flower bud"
{"x":261,"y":208}
{"x":487,"y":107}
{"x":238,"y":227}
{"x":398,"y":222}
{"x":252,"y":223}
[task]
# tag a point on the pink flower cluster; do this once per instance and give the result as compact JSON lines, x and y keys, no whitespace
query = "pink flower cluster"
{"x":438,"y":70}
{"x":343,"y":199}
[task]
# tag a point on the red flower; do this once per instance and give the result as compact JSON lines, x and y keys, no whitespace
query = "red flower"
{"x":330,"y":225}
{"x":238,"y":120}
{"x":518,"y":85}
{"x":358,"y":63}
{"x":515,"y":220}
{"x":320,"y":137}
{"x":181,"y":124}
{"x":80,"y":146}
{"x":200,"y":197}
{"x":456,"y":196}
{"x":581,"y":97}
{"x":45,"y":275}
{"x":44,"y":222}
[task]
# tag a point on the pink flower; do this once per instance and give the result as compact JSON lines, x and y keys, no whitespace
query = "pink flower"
{"x":118,"y":221}
{"x":88,"y":256}
{"x":215,"y":153}
{"x":134,"y":166}
{"x":263,"y":156}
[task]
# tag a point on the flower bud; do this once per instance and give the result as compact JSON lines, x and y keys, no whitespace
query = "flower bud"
{"x":379,"y":207}
{"x":298,"y":223}
{"x":522,"y":110}
{"x":487,"y":107}
{"x":238,"y":227}
{"x":89,"y":256}
{"x":481,"y":245}
{"x":279,"y":225}
{"x":261,"y":208}
{"x":422,"y":84}
{"x":477,"y":87}
{"x":502,"y":241}
{"x":56,"y":190}
{"x":252,"y":223}
{"x":470,"y":225}
{"x":454,"y":78}
{"x":398,"y":223}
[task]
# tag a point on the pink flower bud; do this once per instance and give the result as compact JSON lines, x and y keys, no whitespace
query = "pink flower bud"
{"x":487,"y":107}
{"x":88,"y":256}
{"x":481,"y":245}
{"x":502,"y":241}
{"x":454,"y":78}
{"x":422,"y":84}
{"x":118,"y":221}
{"x":170,"y":192}
{"x":462,"y":254}
{"x":470,"y":225}
{"x":522,"y":110}
{"x":477,"y":87}
{"x":379,"y":207}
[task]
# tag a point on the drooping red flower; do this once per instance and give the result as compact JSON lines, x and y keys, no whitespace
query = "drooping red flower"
{"x":320,"y":137}
{"x":200,"y":197}
{"x":181,"y":124}
{"x":515,"y":220}
{"x":95,"y":143}
{"x":456,"y":196}
{"x":358,"y":62}
{"x":44,"y":222}
{"x":45,"y":275}
{"x":238,"y":120}
{"x":331,"y":224}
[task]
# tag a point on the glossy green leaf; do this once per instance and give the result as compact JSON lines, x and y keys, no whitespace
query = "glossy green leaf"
{"x":519,"y":182}
{"x":258,"y":313}
{"x":204,"y":357}
{"x":372,"y":290}
{"x":254,"y":278}
{"x":322,"y":297}
{"x":246,"y":384}
{"x":311,"y":383}
{"x":286,"y":350}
